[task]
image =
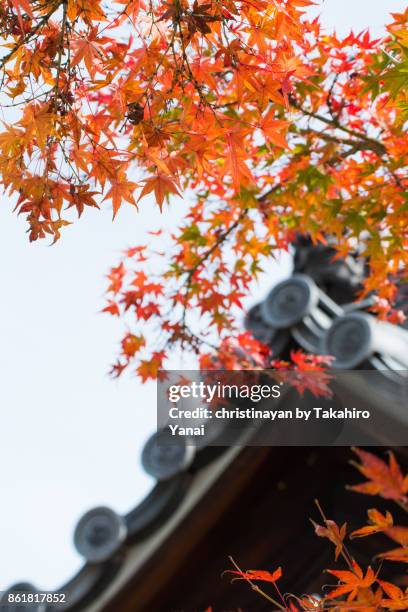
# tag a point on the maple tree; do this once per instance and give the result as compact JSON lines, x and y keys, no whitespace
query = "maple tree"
{"x":358,"y":589}
{"x":268,"y":125}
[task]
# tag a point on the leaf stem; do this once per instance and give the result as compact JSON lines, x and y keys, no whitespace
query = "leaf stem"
{"x":257,"y":589}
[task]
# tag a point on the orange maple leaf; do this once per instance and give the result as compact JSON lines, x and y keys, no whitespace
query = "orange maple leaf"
{"x":334,"y":533}
{"x":378,"y":522}
{"x":112,"y":308}
{"x":149,"y":368}
{"x":352,"y":581}
{"x":384,"y":480}
{"x":162,"y":186}
{"x":398,"y":599}
{"x":274,"y":129}
{"x":257,"y":575}
{"x":131,"y":344}
{"x":88,"y":50}
{"x":121,"y":190}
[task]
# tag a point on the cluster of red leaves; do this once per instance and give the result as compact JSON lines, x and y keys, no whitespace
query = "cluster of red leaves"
{"x":342,"y":172}
{"x":357,"y":589}
{"x":163,"y":317}
{"x":271,"y":125}
{"x":170,"y":321}
{"x":388,"y":481}
{"x":169,"y":87}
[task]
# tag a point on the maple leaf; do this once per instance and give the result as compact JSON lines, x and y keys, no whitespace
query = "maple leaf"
{"x":121,"y":189}
{"x":117,"y":369}
{"x":112,"y":308}
{"x":384,"y":480}
{"x":39,"y":121}
{"x":149,"y":368}
{"x":334,"y":533}
{"x":116,"y":277}
{"x":90,"y":51}
{"x":274,"y":129}
{"x":352,"y":581}
{"x":162,"y":186}
{"x":379,"y":522}
{"x":398,"y":599}
{"x":131,"y":344}
{"x":306,"y":373}
{"x":257,"y":575}
{"x":80,"y":196}
{"x":235,"y":159}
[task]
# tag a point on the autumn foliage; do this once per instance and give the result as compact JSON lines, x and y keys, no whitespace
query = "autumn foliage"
{"x":357,"y":588}
{"x":252,"y":113}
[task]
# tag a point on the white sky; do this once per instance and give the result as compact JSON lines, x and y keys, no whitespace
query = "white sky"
{"x":70,"y":436}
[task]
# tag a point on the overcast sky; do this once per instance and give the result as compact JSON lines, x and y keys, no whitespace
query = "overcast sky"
{"x":71,"y":437}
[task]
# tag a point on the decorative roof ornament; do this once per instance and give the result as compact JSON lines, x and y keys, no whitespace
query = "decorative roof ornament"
{"x":99,"y":534}
{"x":165,"y":456}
